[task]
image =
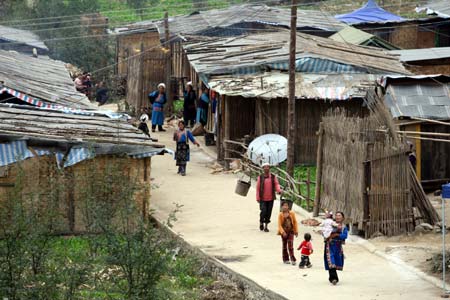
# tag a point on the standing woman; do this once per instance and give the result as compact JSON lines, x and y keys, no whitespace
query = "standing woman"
{"x":189,"y":105}
{"x":202,"y":109}
{"x":333,"y":253}
{"x":158,"y":99}
{"x":182,"y":155}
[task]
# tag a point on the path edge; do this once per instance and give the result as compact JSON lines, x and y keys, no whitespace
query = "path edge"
{"x":215,"y":268}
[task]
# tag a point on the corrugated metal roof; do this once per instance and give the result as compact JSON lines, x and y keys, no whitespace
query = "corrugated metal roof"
{"x":423,"y":54}
{"x":42,"y":78}
{"x":355,"y":36}
{"x":440,"y":8}
{"x":21,"y":36}
{"x":272,"y":85}
{"x":234,"y":20}
{"x":428,"y":99}
{"x":254,"y":53}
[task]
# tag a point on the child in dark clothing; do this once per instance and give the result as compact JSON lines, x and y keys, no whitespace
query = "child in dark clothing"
{"x":306,"y":250}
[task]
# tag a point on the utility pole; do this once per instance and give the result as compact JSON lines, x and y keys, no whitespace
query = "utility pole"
{"x":291,"y":99}
{"x":169,"y":93}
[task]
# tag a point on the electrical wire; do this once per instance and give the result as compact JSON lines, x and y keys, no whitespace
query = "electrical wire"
{"x":209,"y":4}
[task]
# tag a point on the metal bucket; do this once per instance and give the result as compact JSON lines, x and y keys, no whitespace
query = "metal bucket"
{"x":289,"y":202}
{"x":242,"y":187}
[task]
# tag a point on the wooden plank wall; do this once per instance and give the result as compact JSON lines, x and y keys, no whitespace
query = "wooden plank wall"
{"x":145,"y":72}
{"x":435,"y":156}
{"x":271,"y":118}
{"x":130,"y":45}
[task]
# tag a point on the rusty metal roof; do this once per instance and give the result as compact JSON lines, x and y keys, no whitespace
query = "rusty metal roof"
{"x":258,"y":52}
{"x":418,"y":96}
{"x":271,"y":85}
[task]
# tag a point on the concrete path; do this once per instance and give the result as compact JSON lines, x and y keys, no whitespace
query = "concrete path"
{"x":225,"y":225}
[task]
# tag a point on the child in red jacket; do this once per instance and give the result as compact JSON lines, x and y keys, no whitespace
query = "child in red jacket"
{"x":306,"y":250}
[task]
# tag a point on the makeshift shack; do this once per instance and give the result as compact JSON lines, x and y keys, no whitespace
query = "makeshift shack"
{"x":250,"y":74}
{"x":22,"y":41}
{"x":358,"y":37}
{"x":364,"y":171}
{"x":224,"y":22}
{"x":39,"y":82}
{"x":51,"y":133}
{"x":426,"y":61}
{"x":422,"y":104}
{"x":141,"y":61}
{"x":38,"y":142}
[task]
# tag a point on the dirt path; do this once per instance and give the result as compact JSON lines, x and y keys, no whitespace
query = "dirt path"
{"x":226,"y":226}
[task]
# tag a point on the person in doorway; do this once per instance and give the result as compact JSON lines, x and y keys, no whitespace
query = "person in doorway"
{"x":101,"y":93}
{"x":182,"y":154}
{"x":189,"y":111}
{"x":333,"y":252}
{"x":266,"y":187}
{"x":287,"y":228}
{"x":306,"y":249}
{"x":158,"y":99}
{"x":202,"y":109}
{"x":412,"y":155}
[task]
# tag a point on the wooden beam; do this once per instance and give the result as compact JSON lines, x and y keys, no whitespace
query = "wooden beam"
{"x":318,"y":171}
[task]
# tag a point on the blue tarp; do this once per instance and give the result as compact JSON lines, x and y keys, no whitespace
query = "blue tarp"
{"x":370,"y":12}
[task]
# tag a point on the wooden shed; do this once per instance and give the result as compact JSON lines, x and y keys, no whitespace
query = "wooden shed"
{"x":224,"y":22}
{"x":412,"y":34}
{"x":22,"y":41}
{"x":141,"y":61}
{"x":54,"y":138}
{"x":250,"y":74}
{"x":56,"y":152}
{"x":422,"y":104}
{"x":427,"y":61}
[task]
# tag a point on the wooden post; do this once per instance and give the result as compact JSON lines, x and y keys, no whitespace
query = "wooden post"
{"x":227,"y":128}
{"x":167,"y":45}
{"x":142,"y":98}
{"x":308,"y":189}
{"x":291,"y":99}
{"x":318,"y":172}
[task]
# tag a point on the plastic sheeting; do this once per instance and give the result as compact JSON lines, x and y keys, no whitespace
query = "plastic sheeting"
{"x":370,"y":12}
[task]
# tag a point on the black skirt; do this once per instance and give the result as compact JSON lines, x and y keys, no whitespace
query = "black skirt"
{"x":182,"y":154}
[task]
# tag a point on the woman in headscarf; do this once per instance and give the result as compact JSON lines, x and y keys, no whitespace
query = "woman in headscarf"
{"x":158,"y":99}
{"x":202,"y":109}
{"x":333,"y":253}
{"x":189,"y":105}
{"x":182,"y":137}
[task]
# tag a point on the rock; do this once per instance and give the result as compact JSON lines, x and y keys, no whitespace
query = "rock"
{"x":426,"y":226}
{"x":376,"y":234}
{"x":310,"y":222}
{"x":437,"y":229}
{"x":437,"y":193}
{"x":419,"y":229}
{"x":235,"y":164}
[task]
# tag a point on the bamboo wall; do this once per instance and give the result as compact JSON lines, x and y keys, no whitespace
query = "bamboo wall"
{"x":42,"y":179}
{"x":366,"y":175}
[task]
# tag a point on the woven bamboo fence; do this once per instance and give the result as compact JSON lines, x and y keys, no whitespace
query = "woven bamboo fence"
{"x":364,"y":171}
